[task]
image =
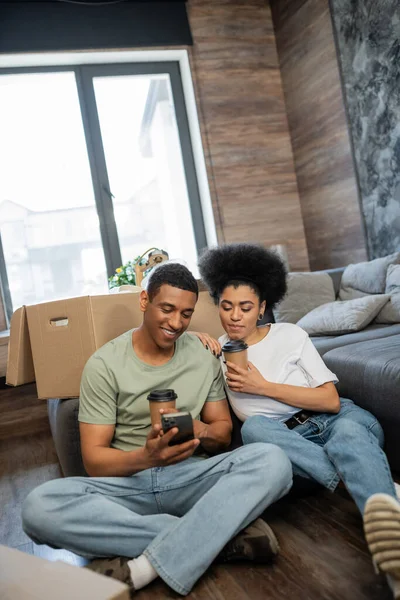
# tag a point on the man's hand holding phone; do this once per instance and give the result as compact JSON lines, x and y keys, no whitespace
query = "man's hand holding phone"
{"x":183,"y":421}
{"x":199,"y":428}
{"x":159,"y":450}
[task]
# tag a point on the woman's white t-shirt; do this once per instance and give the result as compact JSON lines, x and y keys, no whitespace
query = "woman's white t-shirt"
{"x":285,"y":355}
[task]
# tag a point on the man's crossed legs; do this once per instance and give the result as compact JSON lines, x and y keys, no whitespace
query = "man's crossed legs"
{"x":179,"y":517}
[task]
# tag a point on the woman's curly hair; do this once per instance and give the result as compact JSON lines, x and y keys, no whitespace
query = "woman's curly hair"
{"x":250,"y":264}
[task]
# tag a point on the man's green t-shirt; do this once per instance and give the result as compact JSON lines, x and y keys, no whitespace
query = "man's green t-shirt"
{"x":115,"y":385}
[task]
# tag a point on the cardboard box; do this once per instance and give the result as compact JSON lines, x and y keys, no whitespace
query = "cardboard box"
{"x":51,"y":342}
{"x":206,"y":317}
{"x":4,"y":339}
{"x":26,"y":577}
{"x":19,"y":363}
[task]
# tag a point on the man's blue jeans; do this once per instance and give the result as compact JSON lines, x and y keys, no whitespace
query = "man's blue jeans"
{"x":329,"y":447}
{"x":179,"y":516}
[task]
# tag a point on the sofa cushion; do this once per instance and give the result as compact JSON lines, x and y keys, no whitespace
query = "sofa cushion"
{"x":343,"y":317}
{"x":305,"y":292}
{"x":366,"y":277}
{"x":390,"y":313}
{"x":369,"y":374}
{"x":336,"y":276}
{"x":373,"y":332}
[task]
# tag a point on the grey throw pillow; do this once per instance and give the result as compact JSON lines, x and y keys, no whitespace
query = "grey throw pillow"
{"x":390,"y":313}
{"x":341,"y":317}
{"x":366,"y":277}
{"x":305,"y":292}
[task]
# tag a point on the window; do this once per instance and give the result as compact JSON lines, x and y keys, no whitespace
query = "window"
{"x":96,"y":166}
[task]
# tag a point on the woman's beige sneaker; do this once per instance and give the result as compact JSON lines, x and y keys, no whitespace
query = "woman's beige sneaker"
{"x":394,"y":585}
{"x":397,"y":488}
{"x":382,"y":532}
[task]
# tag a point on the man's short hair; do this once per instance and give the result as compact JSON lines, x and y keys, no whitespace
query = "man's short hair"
{"x":173,"y":274}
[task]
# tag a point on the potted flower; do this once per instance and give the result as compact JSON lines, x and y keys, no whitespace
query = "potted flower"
{"x":124,"y":278}
{"x":128,"y":277}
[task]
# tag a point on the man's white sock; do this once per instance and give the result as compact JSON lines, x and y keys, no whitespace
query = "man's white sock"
{"x":142,"y":571}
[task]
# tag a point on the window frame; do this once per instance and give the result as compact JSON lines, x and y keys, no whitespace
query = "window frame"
{"x":101,"y":64}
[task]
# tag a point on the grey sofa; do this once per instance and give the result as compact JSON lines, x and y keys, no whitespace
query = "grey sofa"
{"x":367,"y":364}
{"x":326,"y":343}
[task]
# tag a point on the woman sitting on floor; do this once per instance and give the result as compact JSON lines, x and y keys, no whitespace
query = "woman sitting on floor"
{"x":287,"y":396}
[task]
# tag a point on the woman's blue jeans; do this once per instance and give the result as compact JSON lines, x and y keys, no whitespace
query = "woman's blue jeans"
{"x":179,"y":516}
{"x":329,"y":447}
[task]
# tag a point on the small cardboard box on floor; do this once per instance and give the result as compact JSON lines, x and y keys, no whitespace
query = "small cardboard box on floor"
{"x":26,"y":577}
{"x":51,"y":342}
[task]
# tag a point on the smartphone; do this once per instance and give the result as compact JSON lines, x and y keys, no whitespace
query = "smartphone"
{"x":183,"y":421}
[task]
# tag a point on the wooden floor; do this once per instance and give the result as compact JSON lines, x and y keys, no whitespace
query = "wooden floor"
{"x":323,"y":553}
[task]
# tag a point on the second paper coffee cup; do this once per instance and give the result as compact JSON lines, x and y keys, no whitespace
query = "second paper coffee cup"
{"x":160,"y":399}
{"x":235,"y":351}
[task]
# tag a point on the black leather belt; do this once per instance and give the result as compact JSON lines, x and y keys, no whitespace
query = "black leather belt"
{"x":299,"y":418}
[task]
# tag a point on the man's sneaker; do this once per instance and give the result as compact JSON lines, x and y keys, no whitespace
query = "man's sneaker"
{"x":382,"y":531}
{"x":117,"y":568}
{"x":257,"y":543}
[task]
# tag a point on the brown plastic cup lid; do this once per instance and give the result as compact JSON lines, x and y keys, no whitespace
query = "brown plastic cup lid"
{"x":234,"y":346}
{"x":161,"y":395}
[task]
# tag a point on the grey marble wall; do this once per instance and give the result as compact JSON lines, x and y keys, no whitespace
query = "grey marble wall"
{"x":368,"y":39}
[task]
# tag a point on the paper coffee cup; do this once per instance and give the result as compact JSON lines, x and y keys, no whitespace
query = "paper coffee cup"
{"x":235,"y":351}
{"x":160,"y":399}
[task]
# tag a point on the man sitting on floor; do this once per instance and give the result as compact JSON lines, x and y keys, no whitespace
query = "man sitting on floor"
{"x":161,"y":510}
